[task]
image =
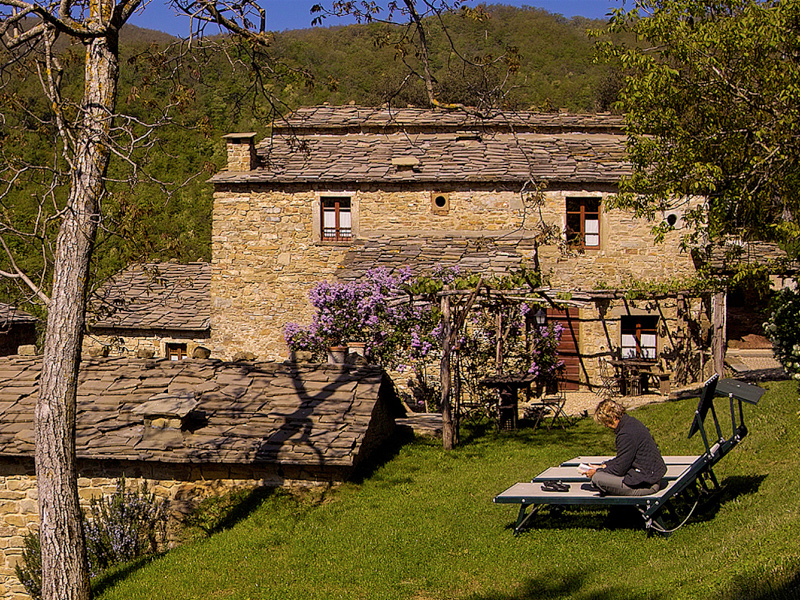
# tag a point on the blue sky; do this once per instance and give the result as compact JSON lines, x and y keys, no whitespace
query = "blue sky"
{"x":295,"y":14}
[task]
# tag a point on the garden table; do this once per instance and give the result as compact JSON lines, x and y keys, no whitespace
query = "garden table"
{"x":508,"y":386}
{"x":631,"y":373}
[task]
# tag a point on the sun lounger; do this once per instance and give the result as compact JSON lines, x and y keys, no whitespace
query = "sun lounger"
{"x":684,"y":473}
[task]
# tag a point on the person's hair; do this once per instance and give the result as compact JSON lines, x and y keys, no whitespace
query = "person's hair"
{"x":608,"y":411}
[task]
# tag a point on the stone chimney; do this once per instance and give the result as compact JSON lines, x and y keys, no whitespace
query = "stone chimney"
{"x":167,"y":411}
{"x":241,"y":151}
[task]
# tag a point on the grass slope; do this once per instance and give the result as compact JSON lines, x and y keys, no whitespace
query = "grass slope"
{"x":423,"y":526}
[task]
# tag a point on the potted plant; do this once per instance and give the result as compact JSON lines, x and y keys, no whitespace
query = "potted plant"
{"x":302,"y":342}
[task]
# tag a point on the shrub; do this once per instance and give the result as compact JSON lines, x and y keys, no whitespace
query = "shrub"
{"x":30,"y":576}
{"x":124,"y":526}
{"x":783,"y":330}
{"x":118,"y":529}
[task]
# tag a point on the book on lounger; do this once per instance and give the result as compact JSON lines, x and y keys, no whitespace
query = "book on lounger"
{"x":583,"y":468}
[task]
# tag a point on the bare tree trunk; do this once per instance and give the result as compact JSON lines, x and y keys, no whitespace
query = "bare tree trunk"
{"x":64,"y":570}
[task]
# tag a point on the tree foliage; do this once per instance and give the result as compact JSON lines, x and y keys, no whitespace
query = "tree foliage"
{"x":712,"y":99}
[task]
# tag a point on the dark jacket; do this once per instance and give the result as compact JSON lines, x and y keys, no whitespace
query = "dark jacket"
{"x":638,"y":460}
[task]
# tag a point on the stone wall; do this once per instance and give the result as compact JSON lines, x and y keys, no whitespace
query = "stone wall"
{"x":185,"y":486}
{"x":267,"y":253}
{"x":682,"y":324}
{"x":139,"y":343}
{"x":627,"y":251}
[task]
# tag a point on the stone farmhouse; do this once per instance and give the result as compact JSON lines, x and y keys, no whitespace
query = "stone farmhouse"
{"x":333,"y":191}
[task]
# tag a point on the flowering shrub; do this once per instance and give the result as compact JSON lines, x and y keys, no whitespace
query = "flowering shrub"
{"x":352,"y":311}
{"x":125,"y":526}
{"x":30,"y":575}
{"x":544,"y":341}
{"x":298,"y":337}
{"x":118,"y":529}
{"x":408,"y":335}
{"x":783,"y":330}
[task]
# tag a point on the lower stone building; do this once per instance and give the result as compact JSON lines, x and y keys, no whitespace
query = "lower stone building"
{"x":191,"y":429}
{"x":160,"y":310}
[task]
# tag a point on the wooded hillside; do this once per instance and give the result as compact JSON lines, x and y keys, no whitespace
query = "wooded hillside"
{"x":214,"y":93}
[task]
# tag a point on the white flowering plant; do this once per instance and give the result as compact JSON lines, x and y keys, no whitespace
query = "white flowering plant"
{"x":783,"y":330}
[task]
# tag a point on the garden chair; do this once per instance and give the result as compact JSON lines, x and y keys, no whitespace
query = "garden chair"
{"x":686,"y":475}
{"x":549,"y":408}
{"x":610,"y":385}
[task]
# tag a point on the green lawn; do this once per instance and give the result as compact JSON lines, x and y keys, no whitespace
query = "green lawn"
{"x":423,"y":526}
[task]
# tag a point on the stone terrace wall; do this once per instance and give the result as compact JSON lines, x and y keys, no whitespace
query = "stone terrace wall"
{"x":267,"y":253}
{"x":131,"y":343}
{"x":185,"y":486}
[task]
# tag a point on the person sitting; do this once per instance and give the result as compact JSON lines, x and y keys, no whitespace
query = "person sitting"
{"x":638,"y":467}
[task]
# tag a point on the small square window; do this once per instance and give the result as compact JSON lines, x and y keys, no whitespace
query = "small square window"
{"x":337,"y":222}
{"x":176,"y":351}
{"x":583,"y":222}
{"x":640,"y":337}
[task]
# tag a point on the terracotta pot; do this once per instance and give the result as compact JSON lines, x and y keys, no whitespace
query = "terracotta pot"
{"x":337,"y":355}
{"x":356,"y":347}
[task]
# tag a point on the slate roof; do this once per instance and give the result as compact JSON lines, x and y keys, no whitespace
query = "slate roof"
{"x":730,"y":255}
{"x":11,"y":315}
{"x":155,"y":296}
{"x":475,"y":254}
{"x":276,"y":413}
{"x":362,"y":119}
{"x":350,"y":145}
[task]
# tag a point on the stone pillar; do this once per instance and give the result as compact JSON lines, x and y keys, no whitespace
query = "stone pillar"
{"x":241,"y":152}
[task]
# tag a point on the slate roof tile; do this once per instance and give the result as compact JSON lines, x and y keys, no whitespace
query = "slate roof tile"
{"x":12,"y":314}
{"x":346,"y":146}
{"x":160,"y":296}
{"x":292,"y":427}
{"x":422,"y":254}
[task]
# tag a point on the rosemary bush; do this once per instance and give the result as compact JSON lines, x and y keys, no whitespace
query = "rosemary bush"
{"x":30,"y":576}
{"x":125,"y":526}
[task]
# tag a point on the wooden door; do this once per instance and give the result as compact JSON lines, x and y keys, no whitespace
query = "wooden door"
{"x":568,"y":348}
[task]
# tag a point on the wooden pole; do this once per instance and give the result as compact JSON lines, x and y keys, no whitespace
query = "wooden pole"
{"x":448,"y":430}
{"x":498,"y":321}
{"x":718,"y":312}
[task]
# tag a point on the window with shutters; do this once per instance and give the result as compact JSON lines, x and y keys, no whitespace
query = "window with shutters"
{"x":176,"y":351}
{"x":337,"y":225}
{"x":640,"y":337}
{"x":583,"y":222}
